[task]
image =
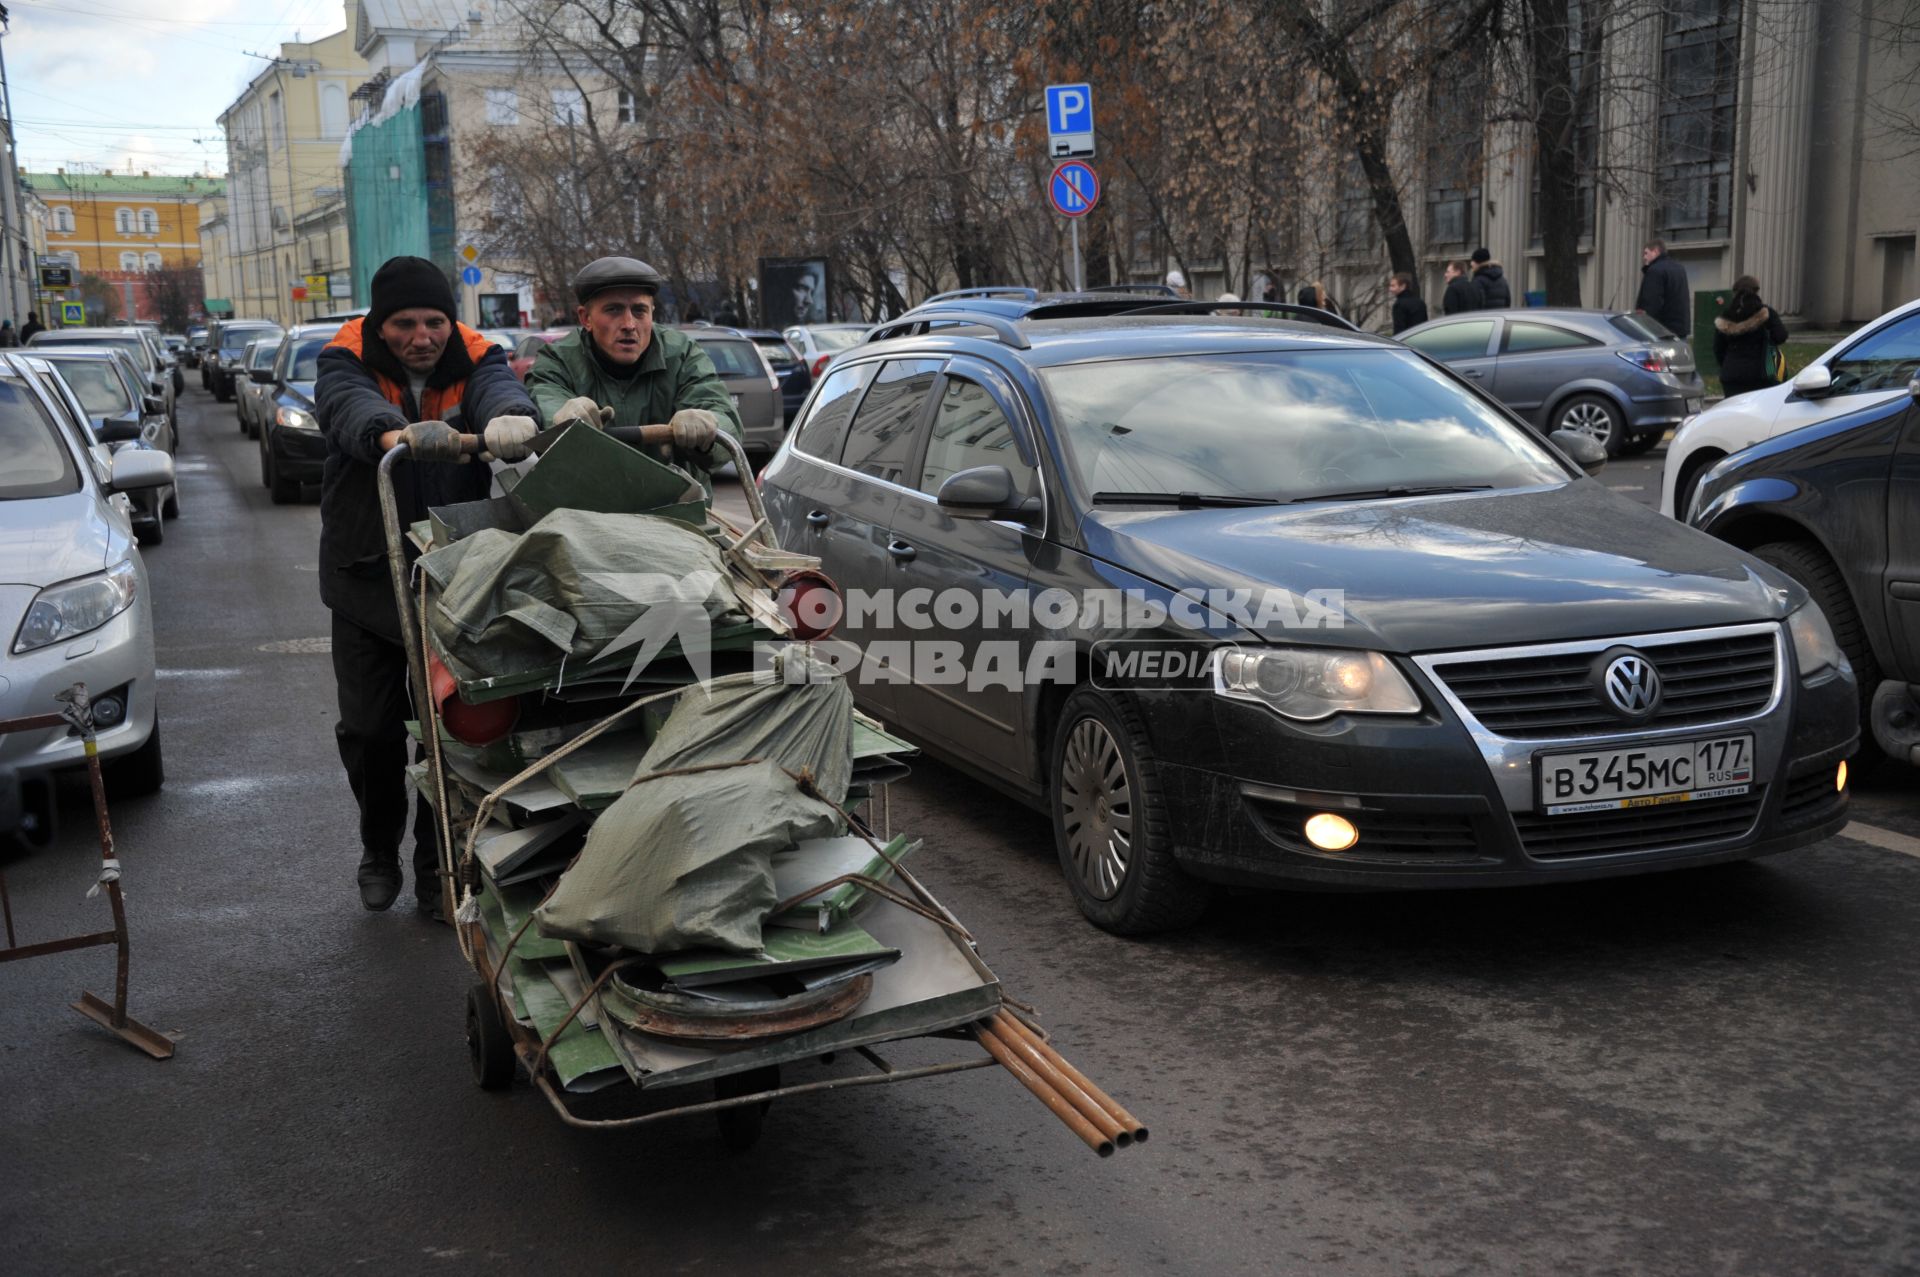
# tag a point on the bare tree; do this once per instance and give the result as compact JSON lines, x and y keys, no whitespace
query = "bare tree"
{"x":174,"y":293}
{"x":102,"y":299}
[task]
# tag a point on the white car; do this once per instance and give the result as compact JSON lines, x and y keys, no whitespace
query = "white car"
{"x":75,"y":606}
{"x":1868,"y":368}
{"x":820,"y":344}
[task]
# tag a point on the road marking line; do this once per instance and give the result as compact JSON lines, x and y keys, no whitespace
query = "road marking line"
{"x":1626,"y":487}
{"x":1885,"y":839}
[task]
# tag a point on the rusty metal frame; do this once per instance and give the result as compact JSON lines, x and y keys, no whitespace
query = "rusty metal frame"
{"x":112,"y":1016}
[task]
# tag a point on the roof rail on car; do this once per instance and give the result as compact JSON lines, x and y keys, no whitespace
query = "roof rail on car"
{"x":989,"y":290}
{"x":912,"y":323}
{"x":1287,"y":309}
{"x":1153,"y":290}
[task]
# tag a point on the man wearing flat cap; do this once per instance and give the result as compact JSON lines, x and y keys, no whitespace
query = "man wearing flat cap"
{"x":407,"y":372}
{"x":617,"y":369}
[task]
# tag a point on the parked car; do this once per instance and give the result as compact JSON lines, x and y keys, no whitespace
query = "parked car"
{"x":787,"y":365}
{"x":1870,"y":368}
{"x":176,"y":348}
{"x":253,"y":382}
{"x":139,"y":347}
{"x":1517,"y":675}
{"x":107,"y":395}
{"x":751,"y":381}
{"x":75,"y":602}
{"x":508,"y":339}
{"x":292,"y":449}
{"x":1836,"y":506}
{"x":522,"y":360}
{"x":196,"y":346}
{"x":226,"y":342}
{"x":819,"y":343}
{"x":1615,"y":375}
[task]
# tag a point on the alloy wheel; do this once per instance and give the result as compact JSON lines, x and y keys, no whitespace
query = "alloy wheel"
{"x":1097,"y":808}
{"x":1589,"y":419}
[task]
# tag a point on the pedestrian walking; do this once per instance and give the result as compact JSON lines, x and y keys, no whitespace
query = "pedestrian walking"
{"x":1178,"y":283}
{"x":1317,"y":296}
{"x":405,"y":373}
{"x":1663,"y":289}
{"x":1408,"y":308}
{"x":32,"y":326}
{"x":8,"y":337}
{"x":1744,"y":338}
{"x":1461,"y":295}
{"x":1490,"y":282}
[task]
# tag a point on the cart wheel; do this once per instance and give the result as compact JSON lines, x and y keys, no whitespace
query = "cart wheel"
{"x":740,"y":1127}
{"x":488,"y":1045}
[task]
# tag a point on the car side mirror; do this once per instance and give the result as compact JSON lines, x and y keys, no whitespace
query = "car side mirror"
{"x":135,"y":469}
{"x":1814,"y":381}
{"x":261,"y":376}
{"x":1583,"y":450}
{"x":152,"y":405}
{"x":985,"y":492}
{"x":1913,"y":388}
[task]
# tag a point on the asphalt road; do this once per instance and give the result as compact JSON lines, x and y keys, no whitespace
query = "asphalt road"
{"x":1708,"y":1072}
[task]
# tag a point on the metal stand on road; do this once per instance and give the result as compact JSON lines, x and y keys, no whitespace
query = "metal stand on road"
{"x":113,"y":1016}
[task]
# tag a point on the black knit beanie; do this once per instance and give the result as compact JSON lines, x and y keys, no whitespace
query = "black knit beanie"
{"x":405,"y":282}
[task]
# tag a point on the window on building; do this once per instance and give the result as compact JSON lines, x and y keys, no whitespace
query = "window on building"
{"x":63,"y":220}
{"x":73,"y":261}
{"x":151,"y":261}
{"x":123,"y":220}
{"x":1353,"y":233}
{"x":503,"y":107}
{"x":149,"y":221}
{"x":1699,"y":82}
{"x":629,"y":109}
{"x":333,"y":110}
{"x":1455,"y":153}
{"x":277,"y":119}
{"x":129,"y":261}
{"x":569,"y":106}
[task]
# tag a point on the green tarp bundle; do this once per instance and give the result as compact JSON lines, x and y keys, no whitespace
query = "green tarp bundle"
{"x":572,"y":586}
{"x":685,"y":861}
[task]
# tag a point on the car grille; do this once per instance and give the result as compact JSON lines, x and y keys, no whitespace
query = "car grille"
{"x":1534,"y":697}
{"x":1429,"y":837}
{"x":1606,"y":833}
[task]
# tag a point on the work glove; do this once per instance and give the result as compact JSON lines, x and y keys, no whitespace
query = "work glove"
{"x":694,"y":430}
{"x":432,"y":441}
{"x":581,"y":408}
{"x":507,"y":437}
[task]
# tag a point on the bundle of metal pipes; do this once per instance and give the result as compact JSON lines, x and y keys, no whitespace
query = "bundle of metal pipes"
{"x":1087,"y":1111}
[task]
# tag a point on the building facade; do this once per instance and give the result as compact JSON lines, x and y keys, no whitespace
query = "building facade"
{"x":123,"y":229}
{"x":285,"y":218}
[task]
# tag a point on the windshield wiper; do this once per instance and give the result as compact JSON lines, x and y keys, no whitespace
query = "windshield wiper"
{"x":1185,"y":500}
{"x":1398,"y":490}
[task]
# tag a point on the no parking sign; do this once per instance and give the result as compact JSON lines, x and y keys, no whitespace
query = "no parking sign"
{"x":1074,"y":189}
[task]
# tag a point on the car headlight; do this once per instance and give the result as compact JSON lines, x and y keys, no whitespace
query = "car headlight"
{"x":71,"y":608}
{"x":1310,"y":683}
{"x":1814,"y":647}
{"x":295,"y":419}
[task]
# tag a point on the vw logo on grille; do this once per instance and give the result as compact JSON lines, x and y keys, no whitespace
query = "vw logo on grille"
{"x":1632,"y":684}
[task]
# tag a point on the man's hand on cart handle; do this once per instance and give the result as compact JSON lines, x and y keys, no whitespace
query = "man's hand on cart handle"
{"x":582,"y":408}
{"x":432,"y":441}
{"x":508,"y":438}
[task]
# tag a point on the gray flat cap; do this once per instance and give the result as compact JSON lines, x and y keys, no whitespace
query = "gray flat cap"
{"x":615,"y":272}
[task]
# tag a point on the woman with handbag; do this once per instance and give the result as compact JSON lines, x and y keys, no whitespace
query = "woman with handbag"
{"x":1745,"y":337}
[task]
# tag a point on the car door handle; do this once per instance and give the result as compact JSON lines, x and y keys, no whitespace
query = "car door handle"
{"x":818,"y":518}
{"x":1471,"y":372}
{"x":900,"y":550}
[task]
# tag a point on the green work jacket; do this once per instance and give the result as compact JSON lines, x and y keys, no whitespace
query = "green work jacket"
{"x":674,"y":373}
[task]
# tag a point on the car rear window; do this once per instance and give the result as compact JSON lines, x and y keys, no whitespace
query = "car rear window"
{"x":838,"y":338}
{"x":1641,"y":327}
{"x":34,"y":461}
{"x":98,"y":386}
{"x":1285,"y":426}
{"x":881,"y":440}
{"x":732,"y":358}
{"x":819,"y":433}
{"x":778,"y":353}
{"x":234,"y":340}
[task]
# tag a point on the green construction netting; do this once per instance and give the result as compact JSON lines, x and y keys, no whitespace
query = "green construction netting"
{"x":386,"y":181}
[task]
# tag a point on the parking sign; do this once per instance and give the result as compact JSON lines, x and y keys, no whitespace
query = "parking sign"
{"x":1069,"y":121}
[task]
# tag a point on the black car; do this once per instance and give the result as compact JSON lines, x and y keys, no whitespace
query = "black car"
{"x":1264,"y":601}
{"x":226,"y":342}
{"x":1836,"y":506}
{"x":795,"y":380}
{"x":292,"y":449}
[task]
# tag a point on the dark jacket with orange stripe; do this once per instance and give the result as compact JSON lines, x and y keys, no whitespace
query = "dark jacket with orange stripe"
{"x":362,"y":392}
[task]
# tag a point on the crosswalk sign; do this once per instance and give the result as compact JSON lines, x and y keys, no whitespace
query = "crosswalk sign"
{"x":73,"y":314}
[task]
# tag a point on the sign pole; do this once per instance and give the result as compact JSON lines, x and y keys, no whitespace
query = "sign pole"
{"x":1079,"y":271}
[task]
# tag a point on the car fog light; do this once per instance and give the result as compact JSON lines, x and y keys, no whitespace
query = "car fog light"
{"x":108,"y":711}
{"x":1329,"y":832}
{"x":1840,"y":777}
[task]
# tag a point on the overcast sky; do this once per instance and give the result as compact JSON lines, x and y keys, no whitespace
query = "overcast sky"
{"x":105,"y":81}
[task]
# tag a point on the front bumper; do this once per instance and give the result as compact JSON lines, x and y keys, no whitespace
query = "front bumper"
{"x":117,"y":656}
{"x":297,"y":454}
{"x":1431,"y":812}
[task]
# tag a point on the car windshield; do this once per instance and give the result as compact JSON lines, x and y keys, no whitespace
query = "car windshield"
{"x":778,"y":353}
{"x":132,"y":345}
{"x":34,"y":462}
{"x":1885,"y":360}
{"x":234,"y":340}
{"x":838,"y":338}
{"x":1285,"y":426}
{"x":304,"y":363}
{"x":732,"y":358}
{"x":263,"y":354}
{"x":99,"y":387}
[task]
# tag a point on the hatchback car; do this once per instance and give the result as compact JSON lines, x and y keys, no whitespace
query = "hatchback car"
{"x":1615,"y":375}
{"x":75,"y":605}
{"x":1262,"y":601}
{"x":253,"y":382}
{"x":1870,"y":368}
{"x":750,"y":380}
{"x":120,"y":415}
{"x":1859,"y":557}
{"x":293,"y":452}
{"x":226,"y":343}
{"x":818,"y":344}
{"x":138,"y":344}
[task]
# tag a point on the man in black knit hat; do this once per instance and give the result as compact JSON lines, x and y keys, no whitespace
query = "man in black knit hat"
{"x":410,"y":373}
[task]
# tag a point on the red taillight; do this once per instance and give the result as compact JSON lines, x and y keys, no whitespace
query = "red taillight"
{"x":1650,"y":360}
{"x":810,"y":602}
{"x":820,"y":364}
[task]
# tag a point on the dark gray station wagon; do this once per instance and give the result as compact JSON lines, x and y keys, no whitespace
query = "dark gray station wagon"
{"x":1434,"y":652}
